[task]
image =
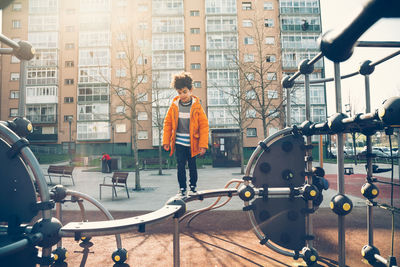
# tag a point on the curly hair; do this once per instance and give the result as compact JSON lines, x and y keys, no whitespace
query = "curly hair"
{"x":180,"y":80}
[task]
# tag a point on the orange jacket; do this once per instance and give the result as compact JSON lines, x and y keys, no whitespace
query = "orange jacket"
{"x":198,"y":126}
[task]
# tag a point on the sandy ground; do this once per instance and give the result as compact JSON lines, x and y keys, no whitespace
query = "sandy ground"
{"x":225,"y":238}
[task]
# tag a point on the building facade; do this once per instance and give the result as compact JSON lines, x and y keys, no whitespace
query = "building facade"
{"x":103,"y":68}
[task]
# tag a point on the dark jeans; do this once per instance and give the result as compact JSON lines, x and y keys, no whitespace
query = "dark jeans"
{"x":109,"y":166}
{"x":183,"y":155}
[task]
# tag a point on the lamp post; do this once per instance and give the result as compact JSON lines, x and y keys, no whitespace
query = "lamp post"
{"x":70,"y":139}
{"x":112,"y":136}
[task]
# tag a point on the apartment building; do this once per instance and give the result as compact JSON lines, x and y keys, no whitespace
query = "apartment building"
{"x":103,"y":68}
{"x":300,"y":22}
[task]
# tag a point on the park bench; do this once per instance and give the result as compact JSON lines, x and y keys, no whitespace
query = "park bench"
{"x":154,"y":161}
{"x":60,"y":171}
{"x":118,"y":179}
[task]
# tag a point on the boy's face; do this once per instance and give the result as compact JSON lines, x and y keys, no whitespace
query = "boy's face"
{"x":185,"y":95}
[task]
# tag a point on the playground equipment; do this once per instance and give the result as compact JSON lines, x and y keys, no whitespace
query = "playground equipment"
{"x":280,"y":189}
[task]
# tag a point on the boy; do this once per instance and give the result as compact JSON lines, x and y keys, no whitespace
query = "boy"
{"x":185,"y":130}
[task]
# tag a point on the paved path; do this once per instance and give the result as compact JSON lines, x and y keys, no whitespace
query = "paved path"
{"x":158,"y":189}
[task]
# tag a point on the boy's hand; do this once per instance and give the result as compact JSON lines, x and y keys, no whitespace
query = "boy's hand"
{"x":202,"y":151}
{"x":166,"y":147}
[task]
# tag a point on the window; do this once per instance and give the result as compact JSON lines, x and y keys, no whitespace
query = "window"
{"x":247,"y":23}
{"x":246,"y":5}
{"x":249,"y":76}
{"x":67,"y":118}
{"x":197,"y":84}
{"x":194,"y":13}
{"x":143,"y":26}
{"x":195,"y":30}
{"x":270,"y":40}
{"x":14,"y":59}
{"x":121,"y":55}
{"x":120,"y":109}
{"x":16,"y":24}
{"x":68,"y":81}
{"x":195,"y":48}
{"x":120,"y":73}
{"x":272,"y":94}
{"x":142,"y":116}
{"x":142,"y":78}
{"x":69,"y":64}
{"x":121,"y":36}
{"x":251,"y":132}
{"x":143,"y":135}
{"x":68,"y":99}
{"x":248,"y":58}
{"x":13,"y":112}
{"x":122,"y":3}
{"x":251,"y":113}
{"x":270,"y":58}
{"x":142,"y":7}
{"x":14,"y":76}
{"x":14,"y":94}
{"x":269,"y":23}
{"x":69,"y":28}
{"x":142,"y":97}
{"x":70,"y":11}
{"x":248,"y":40}
{"x":271,"y":76}
{"x":195,"y":66}
{"x":142,"y":61}
{"x":69,"y":46}
{"x":17,"y":7}
{"x":268,"y":5}
{"x":250,"y":94}
{"x":120,"y":128}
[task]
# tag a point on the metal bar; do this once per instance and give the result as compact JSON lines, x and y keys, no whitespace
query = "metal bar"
{"x":315,"y":59}
{"x":288,"y":108}
{"x":59,"y":217}
{"x":385,"y":58}
{"x":22,"y":78}
{"x":6,"y":51}
{"x":4,"y":39}
{"x":308,"y":218}
{"x":340,"y":169}
{"x":98,"y":205}
{"x":381,"y":44}
{"x":176,"y":243}
{"x":370,"y":226}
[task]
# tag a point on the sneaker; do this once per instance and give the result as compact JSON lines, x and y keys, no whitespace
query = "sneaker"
{"x":193,"y":189}
{"x":183,"y":192}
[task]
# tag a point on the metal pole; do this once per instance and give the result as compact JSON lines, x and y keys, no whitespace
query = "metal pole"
{"x":70,"y":140}
{"x":370,"y":228}
{"x":340,"y":169}
{"x":321,"y":152}
{"x":176,"y":242}
{"x":22,"y":78}
{"x":308,"y":218}
{"x":59,"y":217}
{"x":288,"y":108}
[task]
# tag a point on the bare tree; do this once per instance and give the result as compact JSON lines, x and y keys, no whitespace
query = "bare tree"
{"x":258,"y":67}
{"x":131,"y":87}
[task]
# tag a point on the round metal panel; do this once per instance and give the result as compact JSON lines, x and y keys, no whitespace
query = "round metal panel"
{"x":17,"y":192}
{"x":281,"y":219}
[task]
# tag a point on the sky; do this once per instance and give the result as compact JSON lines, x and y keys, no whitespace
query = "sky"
{"x":384,"y":81}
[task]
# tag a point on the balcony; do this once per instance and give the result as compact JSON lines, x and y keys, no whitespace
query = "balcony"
{"x":36,"y":119}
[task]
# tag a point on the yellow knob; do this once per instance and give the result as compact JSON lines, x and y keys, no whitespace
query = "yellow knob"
{"x":66,"y":254}
{"x":381,"y":112}
{"x":29,"y":127}
{"x":374,"y":192}
{"x":55,"y":257}
{"x":247,"y":194}
{"x":313,"y":258}
{"x":362,"y":191}
{"x":331,"y":205}
{"x":346,"y":206}
{"x":362,"y":253}
{"x":117,"y":258}
{"x":313,"y":193}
